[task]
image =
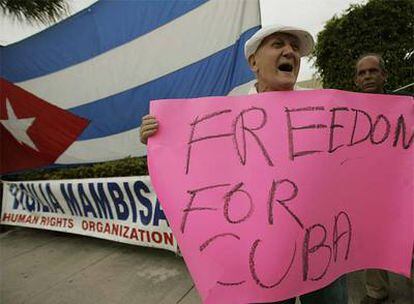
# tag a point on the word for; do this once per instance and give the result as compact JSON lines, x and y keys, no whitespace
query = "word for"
{"x":315,"y":237}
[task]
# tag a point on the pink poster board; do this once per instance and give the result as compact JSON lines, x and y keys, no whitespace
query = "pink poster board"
{"x":278,"y":194}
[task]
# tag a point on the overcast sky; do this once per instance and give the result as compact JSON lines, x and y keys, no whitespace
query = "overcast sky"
{"x":12,"y":30}
{"x":309,"y":14}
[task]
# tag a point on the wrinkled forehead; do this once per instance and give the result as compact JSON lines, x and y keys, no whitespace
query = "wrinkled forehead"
{"x":283,"y":36}
{"x":368,"y":62}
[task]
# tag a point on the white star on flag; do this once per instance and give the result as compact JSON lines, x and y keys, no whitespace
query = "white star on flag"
{"x":18,"y":127}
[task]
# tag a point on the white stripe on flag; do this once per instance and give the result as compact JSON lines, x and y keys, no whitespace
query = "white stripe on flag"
{"x":183,"y":41}
{"x":116,"y":146}
{"x":121,"y":145}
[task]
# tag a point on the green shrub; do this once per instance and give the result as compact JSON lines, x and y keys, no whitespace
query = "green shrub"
{"x":131,"y":166}
{"x":379,"y":26}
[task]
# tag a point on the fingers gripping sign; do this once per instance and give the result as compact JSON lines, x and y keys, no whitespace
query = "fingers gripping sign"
{"x":149,"y":126}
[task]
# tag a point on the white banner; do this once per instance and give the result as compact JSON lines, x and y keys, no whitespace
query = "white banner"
{"x":122,"y":209}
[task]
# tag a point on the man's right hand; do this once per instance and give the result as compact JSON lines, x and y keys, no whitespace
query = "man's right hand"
{"x":149,"y":127}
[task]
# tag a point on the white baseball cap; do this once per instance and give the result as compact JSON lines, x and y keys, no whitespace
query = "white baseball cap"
{"x":305,"y":38}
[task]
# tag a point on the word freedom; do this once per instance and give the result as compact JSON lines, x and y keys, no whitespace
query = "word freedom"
{"x":363,"y":127}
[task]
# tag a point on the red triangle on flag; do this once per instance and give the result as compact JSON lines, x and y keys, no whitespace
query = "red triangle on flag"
{"x":34,"y":133}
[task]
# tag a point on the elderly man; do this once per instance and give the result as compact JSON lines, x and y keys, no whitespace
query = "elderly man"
{"x":370,"y":77}
{"x":273,"y":54}
{"x":370,"y":74}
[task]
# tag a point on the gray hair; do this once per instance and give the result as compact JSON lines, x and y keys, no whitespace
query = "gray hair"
{"x":376,"y":55}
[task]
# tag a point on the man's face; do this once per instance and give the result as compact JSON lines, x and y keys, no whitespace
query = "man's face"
{"x":276,"y":63}
{"x":370,"y":78}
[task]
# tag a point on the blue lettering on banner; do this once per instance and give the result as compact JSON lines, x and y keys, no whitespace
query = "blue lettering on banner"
{"x":27,"y":202}
{"x":52,"y":200}
{"x":121,"y":207}
{"x":39,"y":202}
{"x":27,"y":198}
{"x":104,"y":200}
{"x":13,"y":189}
{"x":132,"y":202}
{"x":101,"y":201}
{"x":145,"y":216}
{"x":44,"y":203}
{"x":159,"y":214}
{"x":70,"y":199}
{"x":86,"y":204}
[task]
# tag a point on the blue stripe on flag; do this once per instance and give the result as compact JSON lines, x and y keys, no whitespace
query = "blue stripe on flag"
{"x":208,"y":77}
{"x":93,"y":31}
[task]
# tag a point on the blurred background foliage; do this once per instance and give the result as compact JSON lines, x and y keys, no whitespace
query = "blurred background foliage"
{"x":379,"y":26}
{"x":35,"y":11}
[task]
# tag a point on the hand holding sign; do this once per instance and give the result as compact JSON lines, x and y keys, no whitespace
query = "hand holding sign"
{"x":149,"y":127}
{"x":277,"y":194}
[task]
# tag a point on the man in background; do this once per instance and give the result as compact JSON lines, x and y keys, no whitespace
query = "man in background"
{"x":370,"y":77}
{"x":371,"y":74}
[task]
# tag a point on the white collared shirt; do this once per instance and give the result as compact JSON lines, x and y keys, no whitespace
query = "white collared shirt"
{"x":253,"y":89}
{"x":249,"y":88}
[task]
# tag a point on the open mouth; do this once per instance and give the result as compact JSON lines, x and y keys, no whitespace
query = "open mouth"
{"x":285,"y":67}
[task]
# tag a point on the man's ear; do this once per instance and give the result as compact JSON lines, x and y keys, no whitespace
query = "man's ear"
{"x":385,"y":75}
{"x":253,"y":63}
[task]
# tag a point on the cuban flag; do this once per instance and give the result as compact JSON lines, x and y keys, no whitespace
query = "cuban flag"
{"x":76,"y":92}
